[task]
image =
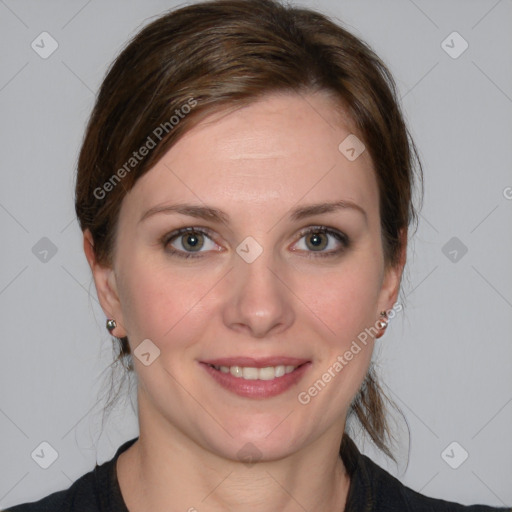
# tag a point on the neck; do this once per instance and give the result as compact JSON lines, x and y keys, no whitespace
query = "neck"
{"x":167,"y":471}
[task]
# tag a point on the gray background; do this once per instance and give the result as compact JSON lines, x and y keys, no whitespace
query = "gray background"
{"x":446,"y":358}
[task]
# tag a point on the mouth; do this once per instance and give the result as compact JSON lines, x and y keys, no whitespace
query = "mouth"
{"x":262,"y":378}
{"x":254,"y":373}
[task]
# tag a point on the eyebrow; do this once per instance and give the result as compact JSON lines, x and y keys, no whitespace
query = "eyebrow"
{"x":216,"y":215}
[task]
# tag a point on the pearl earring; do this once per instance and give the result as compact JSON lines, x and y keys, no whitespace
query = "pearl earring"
{"x":382,"y":324}
{"x":111,"y":325}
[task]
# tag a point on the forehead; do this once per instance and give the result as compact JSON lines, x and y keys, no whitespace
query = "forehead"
{"x":279,"y":151}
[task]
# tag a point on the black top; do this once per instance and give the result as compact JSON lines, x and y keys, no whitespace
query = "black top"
{"x":372,"y":489}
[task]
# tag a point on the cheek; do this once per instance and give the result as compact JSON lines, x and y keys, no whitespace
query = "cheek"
{"x":342,"y":299}
{"x":342,"y":306}
{"x":160,"y":303}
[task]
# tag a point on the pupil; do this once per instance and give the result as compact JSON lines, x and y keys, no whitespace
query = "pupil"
{"x":191,"y":240}
{"x":315,"y":240}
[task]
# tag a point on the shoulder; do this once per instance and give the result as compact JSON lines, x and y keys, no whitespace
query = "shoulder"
{"x":390,"y":494}
{"x":81,"y":496}
{"x":373,"y":489}
{"x":96,"y":491}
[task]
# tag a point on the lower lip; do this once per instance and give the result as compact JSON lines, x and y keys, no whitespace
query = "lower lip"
{"x":257,"y":388}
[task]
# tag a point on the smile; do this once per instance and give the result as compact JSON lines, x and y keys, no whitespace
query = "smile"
{"x":251,"y":373}
{"x":258,"y":382}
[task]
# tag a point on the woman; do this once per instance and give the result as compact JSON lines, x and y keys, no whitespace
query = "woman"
{"x":244,"y":191}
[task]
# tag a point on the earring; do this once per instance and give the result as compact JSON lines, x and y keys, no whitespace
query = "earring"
{"x":111,"y":325}
{"x":382,"y":324}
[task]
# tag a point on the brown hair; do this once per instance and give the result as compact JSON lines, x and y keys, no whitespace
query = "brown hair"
{"x":223,"y":54}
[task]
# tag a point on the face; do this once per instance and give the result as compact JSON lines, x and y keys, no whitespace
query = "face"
{"x":265,"y":283}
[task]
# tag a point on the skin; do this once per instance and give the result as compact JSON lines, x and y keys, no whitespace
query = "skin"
{"x":256,"y":164}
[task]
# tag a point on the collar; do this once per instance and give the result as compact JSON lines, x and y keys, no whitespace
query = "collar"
{"x":360,"y":495}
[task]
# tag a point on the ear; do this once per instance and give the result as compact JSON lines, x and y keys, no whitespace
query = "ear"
{"x":106,"y":287}
{"x":393,"y":275}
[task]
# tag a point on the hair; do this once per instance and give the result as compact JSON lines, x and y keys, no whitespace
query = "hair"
{"x":219,"y":55}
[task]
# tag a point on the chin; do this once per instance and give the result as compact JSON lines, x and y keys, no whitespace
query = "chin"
{"x":258,"y":440}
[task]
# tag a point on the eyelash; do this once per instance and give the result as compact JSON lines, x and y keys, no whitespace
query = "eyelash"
{"x":341,"y":237}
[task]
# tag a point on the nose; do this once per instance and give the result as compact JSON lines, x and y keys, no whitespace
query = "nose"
{"x":259,"y":302}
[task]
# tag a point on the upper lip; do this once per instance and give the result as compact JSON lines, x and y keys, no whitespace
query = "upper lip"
{"x":260,"y":362}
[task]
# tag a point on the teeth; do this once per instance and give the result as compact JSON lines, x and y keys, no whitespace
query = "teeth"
{"x":268,"y":373}
{"x":250,"y":373}
{"x":236,"y":371}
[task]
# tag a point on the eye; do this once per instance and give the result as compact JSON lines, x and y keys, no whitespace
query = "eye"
{"x":188,"y":242}
{"x":317,"y":240}
{"x":185,"y":242}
